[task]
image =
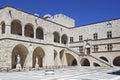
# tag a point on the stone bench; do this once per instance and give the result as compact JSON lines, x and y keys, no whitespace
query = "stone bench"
{"x":49,"y":72}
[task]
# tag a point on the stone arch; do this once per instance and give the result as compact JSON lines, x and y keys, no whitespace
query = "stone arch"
{"x":85,"y":62}
{"x":116,"y":61}
{"x":29,"y":32}
{"x":104,"y":58}
{"x":16,"y":27}
{"x":3,"y":27}
{"x":56,"y":37}
{"x":71,"y":61}
{"x":22,"y":51}
{"x":39,"y":33}
{"x":64,"y":39}
{"x":96,"y":64}
{"x":39,"y":54}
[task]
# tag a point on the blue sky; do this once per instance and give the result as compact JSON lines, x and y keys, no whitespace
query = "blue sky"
{"x":83,"y":11}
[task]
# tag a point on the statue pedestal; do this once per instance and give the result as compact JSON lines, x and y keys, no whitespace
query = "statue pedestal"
{"x":18,"y":67}
{"x":36,"y":66}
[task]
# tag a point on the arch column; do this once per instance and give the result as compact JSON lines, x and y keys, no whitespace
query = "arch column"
{"x":49,"y":57}
{"x":34,"y":33}
{"x":64,"y":59}
{"x":23,"y":28}
{"x":7,"y":29}
{"x":0,"y":28}
{"x":29,"y":57}
{"x":56,"y":59}
{"x":60,"y":40}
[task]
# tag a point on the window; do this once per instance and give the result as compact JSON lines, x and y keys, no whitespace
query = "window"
{"x":81,"y":49}
{"x":109,"y":47}
{"x":95,"y":48}
{"x":71,"y":39}
{"x":109,"y":34}
{"x":3,"y":28}
{"x":95,"y":36}
{"x":80,"y":38}
{"x":109,"y":25}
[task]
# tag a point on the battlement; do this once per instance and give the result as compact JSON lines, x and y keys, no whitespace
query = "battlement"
{"x":61,"y":19}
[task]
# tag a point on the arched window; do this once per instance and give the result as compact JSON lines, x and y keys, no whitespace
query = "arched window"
{"x":64,"y":39}
{"x":39,"y":33}
{"x":56,"y":37}
{"x":3,"y":27}
{"x":16,"y":27}
{"x":29,"y":30}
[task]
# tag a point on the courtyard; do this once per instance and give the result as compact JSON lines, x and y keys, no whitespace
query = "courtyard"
{"x":68,"y":73}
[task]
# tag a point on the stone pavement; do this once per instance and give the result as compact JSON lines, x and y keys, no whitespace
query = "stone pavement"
{"x":69,"y":73}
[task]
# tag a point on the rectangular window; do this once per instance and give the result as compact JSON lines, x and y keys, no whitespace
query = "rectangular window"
{"x":95,"y":47}
{"x":109,"y":25}
{"x":109,"y":34}
{"x":81,"y":49}
{"x":109,"y":47}
{"x":80,"y":38}
{"x":71,"y":39}
{"x":95,"y":36}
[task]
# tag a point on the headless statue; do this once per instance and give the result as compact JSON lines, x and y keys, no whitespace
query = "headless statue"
{"x":36,"y":64}
{"x":18,"y":66}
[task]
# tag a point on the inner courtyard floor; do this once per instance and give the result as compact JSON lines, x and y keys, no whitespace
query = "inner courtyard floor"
{"x":68,"y":73}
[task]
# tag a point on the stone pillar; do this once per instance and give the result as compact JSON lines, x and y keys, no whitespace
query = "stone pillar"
{"x":7,"y":29}
{"x":60,"y":39}
{"x":29,"y":57}
{"x":34,"y":33}
{"x":64,"y":60}
{"x":23,"y":28}
{"x":57,"y":60}
{"x":0,"y":28}
{"x":48,"y":60}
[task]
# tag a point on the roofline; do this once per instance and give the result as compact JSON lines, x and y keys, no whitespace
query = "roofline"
{"x":58,"y":23}
{"x":33,"y":15}
{"x":95,"y":23}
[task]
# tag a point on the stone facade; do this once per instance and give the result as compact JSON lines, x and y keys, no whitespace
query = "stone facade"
{"x":55,"y":42}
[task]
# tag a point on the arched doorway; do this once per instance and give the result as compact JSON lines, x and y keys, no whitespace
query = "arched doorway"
{"x":96,"y":64}
{"x":39,"y":33}
{"x":16,"y":27}
{"x":85,"y":62}
{"x":56,"y":37}
{"x":39,"y":55}
{"x":29,"y":32}
{"x":87,"y":47}
{"x":104,"y":58}
{"x":22,"y":51}
{"x":64,"y":39}
{"x":116,"y":61}
{"x":71,"y":61}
